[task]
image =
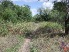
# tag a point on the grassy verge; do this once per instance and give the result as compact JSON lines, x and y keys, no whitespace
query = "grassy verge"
{"x":15,"y":47}
{"x":47,"y":44}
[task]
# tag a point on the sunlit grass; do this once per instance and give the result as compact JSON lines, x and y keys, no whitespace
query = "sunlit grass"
{"x":16,"y":47}
{"x":20,"y":30}
{"x":47,"y":44}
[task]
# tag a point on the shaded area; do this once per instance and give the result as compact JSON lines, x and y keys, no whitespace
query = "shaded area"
{"x":45,"y":31}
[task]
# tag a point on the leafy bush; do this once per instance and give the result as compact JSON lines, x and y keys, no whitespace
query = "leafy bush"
{"x":42,"y":15}
{"x":52,"y":25}
{"x":56,"y":16}
{"x":9,"y":15}
{"x":3,"y":30}
{"x":14,"y":13}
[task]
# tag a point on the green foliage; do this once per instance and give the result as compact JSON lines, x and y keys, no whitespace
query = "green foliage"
{"x":14,"y":13}
{"x":9,"y":15}
{"x":59,"y":12}
{"x":50,"y":15}
{"x":52,"y":27}
{"x":57,"y":16}
{"x":42,"y":15}
{"x":60,"y":6}
{"x":1,"y":10}
{"x":7,"y":4}
{"x":26,"y":13}
{"x":3,"y":29}
{"x":27,"y":28}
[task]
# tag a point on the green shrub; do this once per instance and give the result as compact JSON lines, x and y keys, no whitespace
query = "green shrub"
{"x":52,"y":25}
{"x":9,"y":15}
{"x":3,"y":29}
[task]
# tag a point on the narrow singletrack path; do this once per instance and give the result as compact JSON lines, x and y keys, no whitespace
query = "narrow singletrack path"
{"x":26,"y":46}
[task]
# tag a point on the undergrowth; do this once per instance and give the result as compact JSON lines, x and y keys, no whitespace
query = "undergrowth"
{"x":47,"y":44}
{"x":15,"y":47}
{"x":22,"y":28}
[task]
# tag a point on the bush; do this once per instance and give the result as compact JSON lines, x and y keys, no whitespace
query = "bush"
{"x":9,"y":15}
{"x":56,"y":16}
{"x":3,"y":30}
{"x":52,"y":27}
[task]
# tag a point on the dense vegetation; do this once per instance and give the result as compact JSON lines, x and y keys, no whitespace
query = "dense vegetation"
{"x":43,"y":29}
{"x":14,"y":13}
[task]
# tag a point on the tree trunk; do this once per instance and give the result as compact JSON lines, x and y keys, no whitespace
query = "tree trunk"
{"x":66,"y":24}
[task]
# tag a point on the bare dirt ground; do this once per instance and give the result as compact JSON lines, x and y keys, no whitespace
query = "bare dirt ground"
{"x":26,"y":46}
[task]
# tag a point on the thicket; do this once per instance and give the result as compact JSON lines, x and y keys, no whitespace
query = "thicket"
{"x":9,"y":12}
{"x":50,"y":15}
{"x":13,"y":13}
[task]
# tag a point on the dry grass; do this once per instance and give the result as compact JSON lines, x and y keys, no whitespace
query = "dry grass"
{"x":43,"y":44}
{"x":21,"y":28}
{"x":47,"y":44}
{"x":9,"y":42}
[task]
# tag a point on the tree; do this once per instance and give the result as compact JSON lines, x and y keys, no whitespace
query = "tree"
{"x":9,"y":15}
{"x":26,"y":14}
{"x":17,"y":10}
{"x":7,"y":4}
{"x":11,"y":12}
{"x":23,"y":12}
{"x":56,"y":16}
{"x":1,"y":10}
{"x":60,"y":6}
{"x":42,"y":15}
{"x":63,"y":6}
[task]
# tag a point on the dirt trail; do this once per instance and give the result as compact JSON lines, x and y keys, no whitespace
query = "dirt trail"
{"x":26,"y":46}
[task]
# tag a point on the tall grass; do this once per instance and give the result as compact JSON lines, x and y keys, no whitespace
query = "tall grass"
{"x":30,"y":28}
{"x":15,"y":47}
{"x":22,"y":28}
{"x":47,"y":44}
